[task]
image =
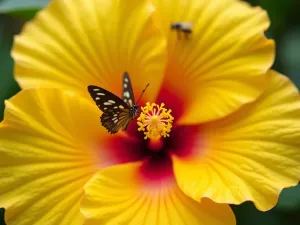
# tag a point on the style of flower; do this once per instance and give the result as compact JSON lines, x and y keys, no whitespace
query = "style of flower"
{"x":217,"y":127}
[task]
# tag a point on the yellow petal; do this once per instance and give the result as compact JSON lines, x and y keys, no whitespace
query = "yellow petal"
{"x":222,"y":65}
{"x":250,"y":155}
{"x":75,"y":43}
{"x":116,"y":195}
{"x":45,"y":156}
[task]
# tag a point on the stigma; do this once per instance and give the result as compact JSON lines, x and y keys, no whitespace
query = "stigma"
{"x":155,"y":121}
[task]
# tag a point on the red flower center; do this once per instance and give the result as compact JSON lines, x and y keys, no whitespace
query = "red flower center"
{"x":155,"y":153}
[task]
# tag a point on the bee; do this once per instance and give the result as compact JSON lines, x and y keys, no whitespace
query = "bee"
{"x":182,"y":27}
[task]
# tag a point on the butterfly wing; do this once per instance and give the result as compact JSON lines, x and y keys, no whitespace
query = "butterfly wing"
{"x":114,"y":120}
{"x":115,"y":111}
{"x":128,"y":96}
{"x":106,"y":100}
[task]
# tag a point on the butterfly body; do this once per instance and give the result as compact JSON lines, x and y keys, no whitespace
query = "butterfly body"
{"x":133,"y":111}
{"x":117,"y":112}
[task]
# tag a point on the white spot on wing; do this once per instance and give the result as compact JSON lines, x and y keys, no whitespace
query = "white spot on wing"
{"x":130,"y":102}
{"x":125,"y":85}
{"x":97,"y":98}
{"x":121,"y":107}
{"x":107,"y":103}
{"x":126,"y":80}
{"x":100,"y":93}
{"x":126,"y":94}
{"x":96,"y":89}
{"x":105,"y":108}
{"x":115,"y":107}
{"x":111,"y":101}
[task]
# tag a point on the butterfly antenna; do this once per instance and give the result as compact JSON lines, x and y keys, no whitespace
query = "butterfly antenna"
{"x":142,"y":94}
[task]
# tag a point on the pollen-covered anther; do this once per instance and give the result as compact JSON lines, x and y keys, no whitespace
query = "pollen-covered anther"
{"x":155,"y":120}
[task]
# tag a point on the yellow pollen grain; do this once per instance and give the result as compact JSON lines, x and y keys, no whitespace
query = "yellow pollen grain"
{"x":155,"y":121}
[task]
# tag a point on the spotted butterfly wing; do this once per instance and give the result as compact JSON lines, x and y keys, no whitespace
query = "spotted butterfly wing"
{"x":128,"y":96}
{"x":117,"y":113}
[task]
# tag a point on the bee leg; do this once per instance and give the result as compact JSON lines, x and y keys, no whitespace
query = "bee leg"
{"x":178,"y":35}
{"x":186,"y":35}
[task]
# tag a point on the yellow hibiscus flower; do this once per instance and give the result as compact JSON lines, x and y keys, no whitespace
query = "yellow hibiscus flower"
{"x":233,"y":132}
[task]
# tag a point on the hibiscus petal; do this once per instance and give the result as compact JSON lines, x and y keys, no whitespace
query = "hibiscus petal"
{"x":45,"y":159}
{"x":250,"y":155}
{"x":222,"y":65}
{"x":117,"y":195}
{"x":81,"y":42}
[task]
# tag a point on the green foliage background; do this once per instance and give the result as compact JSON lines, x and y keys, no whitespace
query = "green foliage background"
{"x":285,"y":29}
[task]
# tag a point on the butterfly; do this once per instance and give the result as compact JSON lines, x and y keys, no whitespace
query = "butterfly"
{"x":117,"y":112}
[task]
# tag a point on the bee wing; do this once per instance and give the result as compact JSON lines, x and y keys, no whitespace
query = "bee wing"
{"x":187,"y":25}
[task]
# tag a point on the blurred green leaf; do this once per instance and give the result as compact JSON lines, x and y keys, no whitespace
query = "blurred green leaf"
{"x":8,"y":85}
{"x":2,"y":216}
{"x":25,"y":9}
{"x":278,"y":12}
{"x":289,"y":53}
{"x":289,"y":199}
{"x":247,"y":214}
